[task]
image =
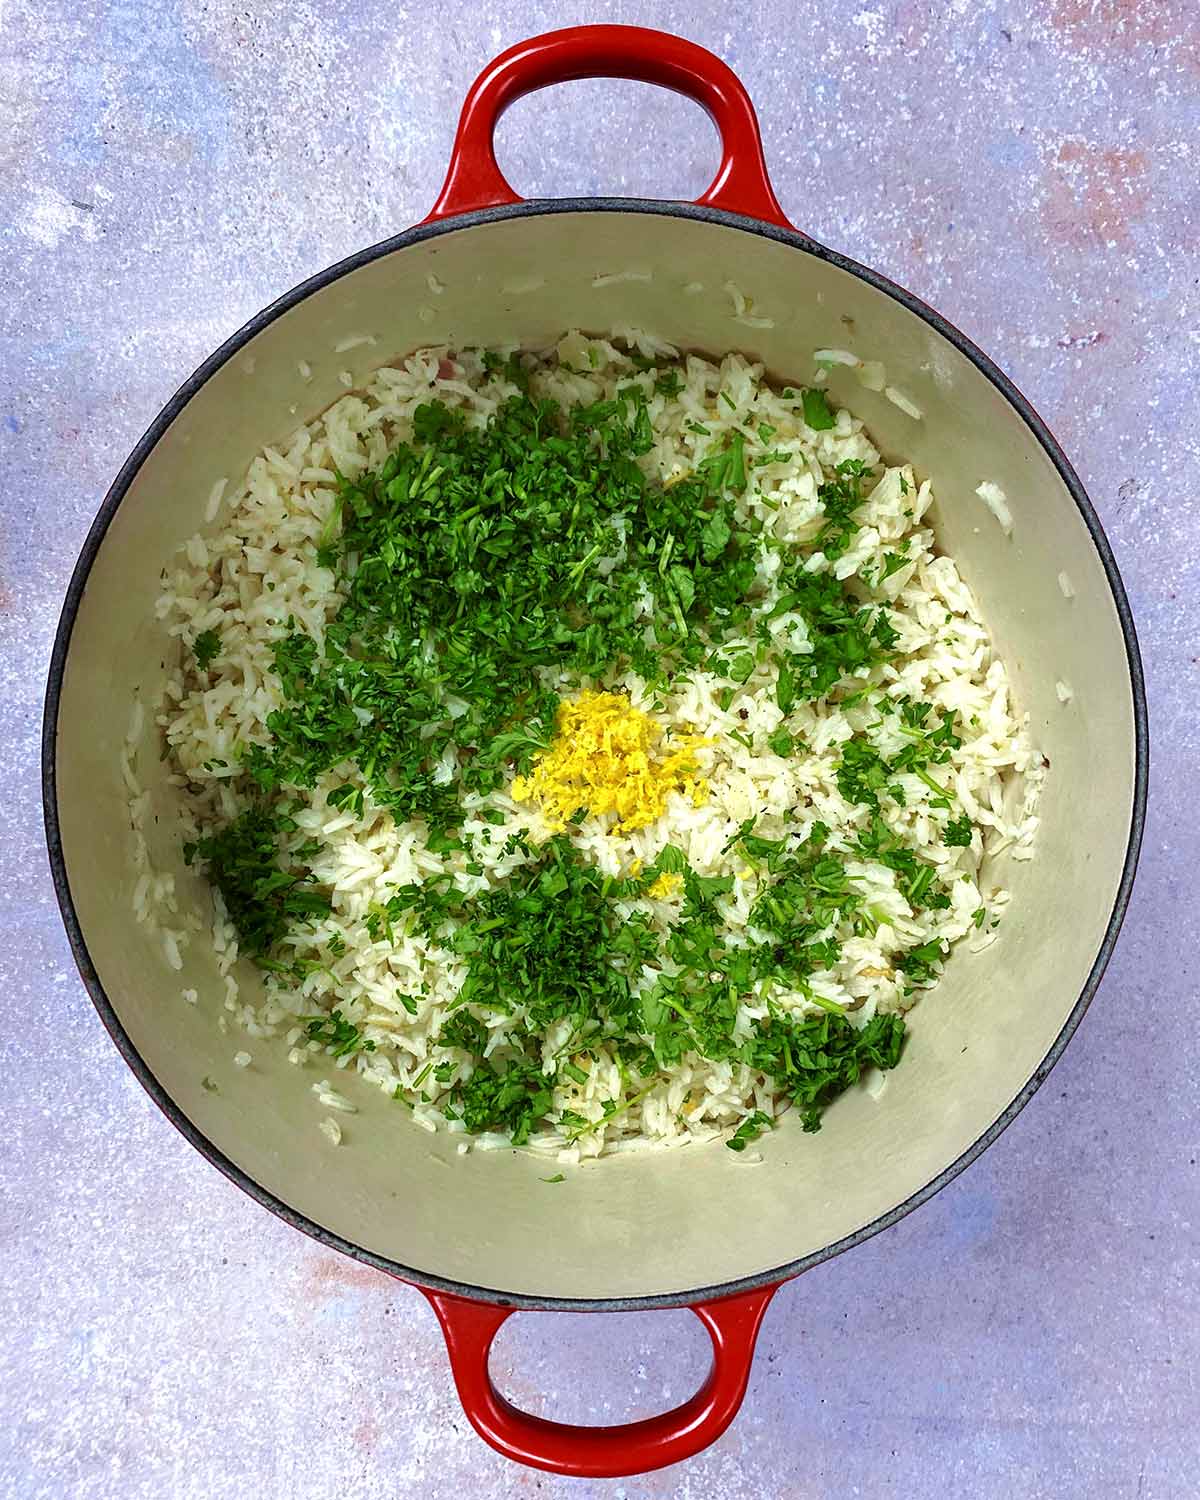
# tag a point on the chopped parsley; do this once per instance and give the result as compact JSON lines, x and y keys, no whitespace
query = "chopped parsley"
{"x":846,"y":636}
{"x":781,"y":741}
{"x":916,"y":876}
{"x":894,"y":561}
{"x":815,"y":1059}
{"x":749,"y":1130}
{"x":339,"y":1036}
{"x":841,"y":497}
{"x":863,"y":774}
{"x":817,"y":411}
{"x":262,"y":896}
{"x":549,"y":935}
{"x":922,"y":963}
{"x":205,"y":648}
{"x":509,"y":1098}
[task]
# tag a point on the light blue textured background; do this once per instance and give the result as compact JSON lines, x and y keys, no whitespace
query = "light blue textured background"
{"x":165,"y":170}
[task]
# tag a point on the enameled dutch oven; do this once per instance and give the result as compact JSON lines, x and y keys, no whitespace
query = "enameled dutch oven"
{"x":481,"y":1234}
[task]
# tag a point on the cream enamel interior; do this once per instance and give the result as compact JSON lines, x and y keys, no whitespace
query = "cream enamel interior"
{"x":666,"y":1223}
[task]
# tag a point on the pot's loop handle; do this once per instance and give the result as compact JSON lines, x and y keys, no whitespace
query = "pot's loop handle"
{"x":741,"y":186}
{"x":602,"y":1452}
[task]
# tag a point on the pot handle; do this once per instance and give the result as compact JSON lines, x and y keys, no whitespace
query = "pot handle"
{"x":741,"y":186}
{"x":602,"y":1452}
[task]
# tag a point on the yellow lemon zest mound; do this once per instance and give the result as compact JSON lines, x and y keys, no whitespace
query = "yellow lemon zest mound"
{"x":609,"y":757}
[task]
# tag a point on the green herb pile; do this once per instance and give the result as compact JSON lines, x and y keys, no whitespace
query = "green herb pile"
{"x":469,"y":563}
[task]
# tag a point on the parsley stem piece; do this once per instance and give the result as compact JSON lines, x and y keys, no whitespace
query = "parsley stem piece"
{"x":626,"y":1104}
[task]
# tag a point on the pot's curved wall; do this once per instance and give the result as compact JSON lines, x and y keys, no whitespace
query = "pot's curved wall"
{"x":675,"y":1222}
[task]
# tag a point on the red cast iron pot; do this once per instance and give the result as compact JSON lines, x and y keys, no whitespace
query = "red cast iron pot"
{"x":481,"y":1235}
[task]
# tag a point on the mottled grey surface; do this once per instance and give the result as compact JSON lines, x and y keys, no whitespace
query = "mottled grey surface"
{"x":165,"y":169}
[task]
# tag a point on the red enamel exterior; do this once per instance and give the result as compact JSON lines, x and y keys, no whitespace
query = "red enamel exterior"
{"x":474,"y":179}
{"x":602,"y":1452}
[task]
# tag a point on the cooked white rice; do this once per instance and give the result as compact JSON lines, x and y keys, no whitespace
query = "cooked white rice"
{"x":997,"y":502}
{"x":257,"y":567}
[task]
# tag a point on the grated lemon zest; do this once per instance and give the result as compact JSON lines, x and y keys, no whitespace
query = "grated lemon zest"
{"x":607,"y":757}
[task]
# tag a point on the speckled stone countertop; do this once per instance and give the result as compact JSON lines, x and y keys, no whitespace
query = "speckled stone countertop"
{"x":165,"y":170}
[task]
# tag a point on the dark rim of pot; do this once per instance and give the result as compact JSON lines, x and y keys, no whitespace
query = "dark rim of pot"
{"x":95,"y":537}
